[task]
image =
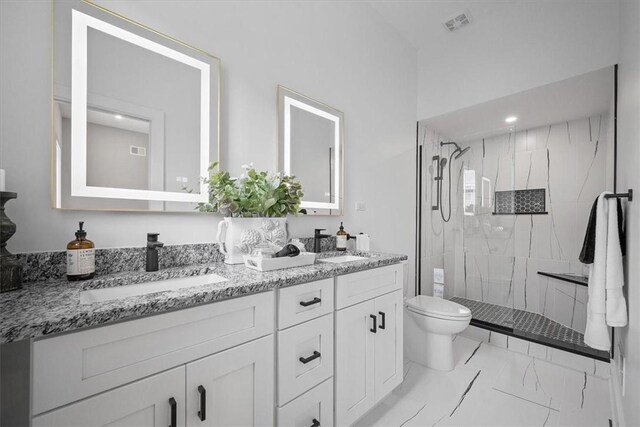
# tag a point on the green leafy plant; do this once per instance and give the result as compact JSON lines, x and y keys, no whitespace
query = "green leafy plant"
{"x":254,"y":194}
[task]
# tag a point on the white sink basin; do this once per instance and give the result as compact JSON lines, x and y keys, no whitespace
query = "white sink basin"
{"x":341,"y":259}
{"x":91,"y":296}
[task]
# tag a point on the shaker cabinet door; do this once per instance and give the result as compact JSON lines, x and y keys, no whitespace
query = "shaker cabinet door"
{"x":233,"y":388}
{"x":354,"y":362}
{"x":388,"y":344}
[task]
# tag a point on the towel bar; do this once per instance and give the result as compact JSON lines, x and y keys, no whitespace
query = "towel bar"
{"x":628,"y":195}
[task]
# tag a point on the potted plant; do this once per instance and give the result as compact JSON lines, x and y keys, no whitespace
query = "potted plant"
{"x":255,"y":207}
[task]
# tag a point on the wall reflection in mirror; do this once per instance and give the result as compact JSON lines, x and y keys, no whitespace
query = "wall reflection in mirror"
{"x":143,"y":140}
{"x":310,"y":146}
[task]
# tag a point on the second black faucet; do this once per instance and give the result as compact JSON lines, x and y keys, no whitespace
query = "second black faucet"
{"x":317,"y":239}
{"x":152,"y":251}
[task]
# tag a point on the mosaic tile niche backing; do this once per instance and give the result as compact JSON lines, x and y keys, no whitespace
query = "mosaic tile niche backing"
{"x":520,"y":202}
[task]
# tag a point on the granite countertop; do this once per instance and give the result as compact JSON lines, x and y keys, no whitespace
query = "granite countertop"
{"x":44,"y":308}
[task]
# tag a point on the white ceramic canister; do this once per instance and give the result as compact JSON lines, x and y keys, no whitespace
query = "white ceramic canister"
{"x":239,"y":236}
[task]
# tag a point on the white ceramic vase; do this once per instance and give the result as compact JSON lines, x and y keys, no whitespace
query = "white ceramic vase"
{"x":239,"y":236}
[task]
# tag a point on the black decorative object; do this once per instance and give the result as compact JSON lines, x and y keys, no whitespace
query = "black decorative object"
{"x":10,"y":267}
{"x":520,"y":202}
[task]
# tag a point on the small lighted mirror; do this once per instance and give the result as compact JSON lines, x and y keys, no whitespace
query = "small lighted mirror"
{"x":135,"y":114}
{"x":310,"y":146}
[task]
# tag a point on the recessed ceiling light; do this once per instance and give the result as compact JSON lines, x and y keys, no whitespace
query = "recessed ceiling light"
{"x":511,"y":119}
{"x":118,"y":116}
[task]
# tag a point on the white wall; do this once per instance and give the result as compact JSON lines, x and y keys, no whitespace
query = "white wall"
{"x":341,"y":53}
{"x":629,"y":177}
{"x":521,"y":45}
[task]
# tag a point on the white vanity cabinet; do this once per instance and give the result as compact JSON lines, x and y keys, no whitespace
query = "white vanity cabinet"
{"x":369,"y":340}
{"x":315,"y":354}
{"x":234,"y":387}
{"x":127,"y":372}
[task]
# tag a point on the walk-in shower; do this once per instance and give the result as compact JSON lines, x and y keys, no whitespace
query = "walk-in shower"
{"x":503,"y":207}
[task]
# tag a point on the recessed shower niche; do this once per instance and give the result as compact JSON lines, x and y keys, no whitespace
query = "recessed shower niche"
{"x":516,"y":203}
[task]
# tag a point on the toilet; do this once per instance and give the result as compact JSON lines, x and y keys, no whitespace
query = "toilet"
{"x":432,"y":324}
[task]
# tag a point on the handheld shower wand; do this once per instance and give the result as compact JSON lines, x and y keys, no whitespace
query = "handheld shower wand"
{"x":457,"y":153}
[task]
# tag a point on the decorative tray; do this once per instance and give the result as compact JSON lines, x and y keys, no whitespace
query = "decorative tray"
{"x":268,"y":264}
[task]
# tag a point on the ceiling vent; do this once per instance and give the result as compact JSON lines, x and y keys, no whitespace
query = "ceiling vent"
{"x":458,"y":20}
{"x":137,"y":151}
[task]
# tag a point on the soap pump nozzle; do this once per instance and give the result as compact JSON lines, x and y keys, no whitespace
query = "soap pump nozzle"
{"x":80,"y":233}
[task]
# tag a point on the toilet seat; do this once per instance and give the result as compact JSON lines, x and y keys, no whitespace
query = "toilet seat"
{"x":437,"y":307}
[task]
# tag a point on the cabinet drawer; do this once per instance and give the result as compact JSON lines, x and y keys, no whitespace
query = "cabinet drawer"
{"x":142,"y":403}
{"x":304,"y":341}
{"x":304,"y":302}
{"x":316,"y":404}
{"x":73,"y":366}
{"x":363,"y":285}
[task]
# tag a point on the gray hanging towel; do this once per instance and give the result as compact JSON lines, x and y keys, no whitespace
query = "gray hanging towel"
{"x":589,"y":245}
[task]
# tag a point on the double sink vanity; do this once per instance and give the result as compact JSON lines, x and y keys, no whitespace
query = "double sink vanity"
{"x":198,"y":342}
{"x":206,"y":345}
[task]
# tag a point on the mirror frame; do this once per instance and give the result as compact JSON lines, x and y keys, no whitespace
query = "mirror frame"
{"x":82,"y":19}
{"x":286,"y":98}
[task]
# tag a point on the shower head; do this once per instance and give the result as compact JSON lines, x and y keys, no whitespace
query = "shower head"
{"x":443,"y":143}
{"x":458,"y":149}
{"x":464,"y":150}
{"x":443,"y":162}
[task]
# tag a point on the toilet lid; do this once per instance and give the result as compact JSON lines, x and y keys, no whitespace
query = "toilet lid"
{"x":430,"y":305}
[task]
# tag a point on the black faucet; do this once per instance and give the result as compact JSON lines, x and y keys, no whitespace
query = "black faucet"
{"x":152,"y":251}
{"x":317,"y":238}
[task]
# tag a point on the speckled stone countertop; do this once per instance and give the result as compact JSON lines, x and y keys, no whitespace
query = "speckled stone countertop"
{"x":44,"y":308}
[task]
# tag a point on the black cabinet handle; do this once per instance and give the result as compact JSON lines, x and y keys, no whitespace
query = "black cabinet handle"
{"x":316,"y":300}
{"x":375,"y":323}
{"x":381,"y":313}
{"x":316,"y":423}
{"x":202,"y":413}
{"x":314,"y":356}
{"x":174,"y":412}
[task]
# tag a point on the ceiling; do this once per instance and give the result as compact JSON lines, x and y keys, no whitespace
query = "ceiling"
{"x":582,"y":96}
{"x":421,"y":22}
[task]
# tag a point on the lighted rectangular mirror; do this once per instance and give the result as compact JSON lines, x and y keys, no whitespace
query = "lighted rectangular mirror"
{"x":135,"y":114}
{"x":310,"y":146}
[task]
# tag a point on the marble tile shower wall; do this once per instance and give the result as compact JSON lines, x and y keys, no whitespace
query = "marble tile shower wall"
{"x":495,"y":258}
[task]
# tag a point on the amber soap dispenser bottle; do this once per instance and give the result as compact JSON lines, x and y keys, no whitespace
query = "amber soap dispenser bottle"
{"x":81,"y":258}
{"x":341,"y":239}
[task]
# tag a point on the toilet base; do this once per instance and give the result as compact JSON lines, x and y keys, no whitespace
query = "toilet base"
{"x":434,"y":351}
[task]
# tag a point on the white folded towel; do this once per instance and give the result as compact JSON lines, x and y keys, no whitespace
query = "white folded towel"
{"x":606,"y":305}
{"x":616,"y":304}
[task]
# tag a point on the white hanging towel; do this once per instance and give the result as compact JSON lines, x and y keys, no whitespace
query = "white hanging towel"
{"x":606,"y":305}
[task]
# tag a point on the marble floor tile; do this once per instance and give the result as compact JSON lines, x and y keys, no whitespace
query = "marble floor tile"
{"x":392,"y":411}
{"x":493,"y":386}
